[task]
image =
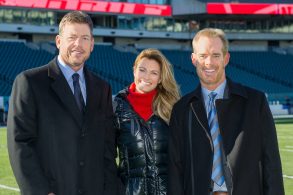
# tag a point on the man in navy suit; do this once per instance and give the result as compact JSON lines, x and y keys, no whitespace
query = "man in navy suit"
{"x":55,"y":146}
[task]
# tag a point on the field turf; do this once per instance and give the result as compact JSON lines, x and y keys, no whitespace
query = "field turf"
{"x":285,"y":138}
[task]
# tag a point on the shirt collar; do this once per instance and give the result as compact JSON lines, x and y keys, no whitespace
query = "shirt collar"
{"x":68,"y":71}
{"x":219,"y":90}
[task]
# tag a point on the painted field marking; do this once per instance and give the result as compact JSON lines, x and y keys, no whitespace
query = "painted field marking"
{"x":288,"y":146}
{"x":286,"y":150}
{"x":285,"y":137}
{"x":9,"y":188}
{"x":288,"y":176}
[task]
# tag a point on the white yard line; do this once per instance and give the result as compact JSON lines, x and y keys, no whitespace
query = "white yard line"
{"x":9,"y":188}
{"x":286,"y":150}
{"x":288,"y":146}
{"x":288,"y":176}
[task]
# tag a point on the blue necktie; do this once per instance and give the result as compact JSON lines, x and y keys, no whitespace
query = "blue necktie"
{"x":77,"y":92}
{"x":217,"y":173}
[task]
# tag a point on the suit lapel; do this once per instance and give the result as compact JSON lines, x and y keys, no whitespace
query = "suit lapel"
{"x":63,"y":91}
{"x":230,"y":114}
{"x":93,"y":94}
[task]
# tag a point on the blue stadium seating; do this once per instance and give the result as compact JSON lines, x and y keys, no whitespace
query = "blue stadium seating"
{"x":267,"y":71}
{"x":269,"y":65}
{"x":16,"y":57}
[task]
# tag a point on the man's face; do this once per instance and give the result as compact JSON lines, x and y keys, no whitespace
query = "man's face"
{"x":75,"y":44}
{"x":210,"y":62}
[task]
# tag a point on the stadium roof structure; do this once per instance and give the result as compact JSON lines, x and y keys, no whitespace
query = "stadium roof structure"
{"x":241,"y":19}
{"x":210,"y":7}
{"x":93,"y":6}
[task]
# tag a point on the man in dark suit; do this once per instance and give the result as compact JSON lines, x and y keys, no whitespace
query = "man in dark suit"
{"x":223,"y":138}
{"x":61,"y":139}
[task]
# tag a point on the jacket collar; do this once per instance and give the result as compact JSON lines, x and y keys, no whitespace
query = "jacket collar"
{"x":63,"y":91}
{"x":54,"y":71}
{"x":195,"y":99}
{"x":232,"y":88}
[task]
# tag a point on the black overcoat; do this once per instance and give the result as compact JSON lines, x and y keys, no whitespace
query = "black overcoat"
{"x":251,"y":156}
{"x":52,"y":146}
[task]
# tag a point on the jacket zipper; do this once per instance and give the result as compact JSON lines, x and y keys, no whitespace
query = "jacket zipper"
{"x":228,"y":164}
{"x":206,"y":131}
{"x":211,"y":144}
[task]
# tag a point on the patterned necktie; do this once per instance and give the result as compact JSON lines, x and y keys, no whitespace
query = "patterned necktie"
{"x":77,"y":92}
{"x":217,"y":174}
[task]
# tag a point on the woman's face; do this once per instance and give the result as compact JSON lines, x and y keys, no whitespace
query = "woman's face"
{"x":147,"y":75}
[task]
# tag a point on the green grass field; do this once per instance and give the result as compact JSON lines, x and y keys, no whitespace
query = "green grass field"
{"x":285,"y":137}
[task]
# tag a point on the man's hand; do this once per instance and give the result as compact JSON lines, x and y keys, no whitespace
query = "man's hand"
{"x":51,"y":194}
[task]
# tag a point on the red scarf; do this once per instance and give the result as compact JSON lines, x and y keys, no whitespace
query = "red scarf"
{"x":141,"y":102}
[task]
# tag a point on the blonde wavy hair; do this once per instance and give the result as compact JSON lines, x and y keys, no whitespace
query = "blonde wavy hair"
{"x":168,"y":91}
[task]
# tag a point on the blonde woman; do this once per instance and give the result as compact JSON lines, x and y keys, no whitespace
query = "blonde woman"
{"x":143,"y":112}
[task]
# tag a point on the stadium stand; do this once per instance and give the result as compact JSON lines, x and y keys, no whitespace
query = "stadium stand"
{"x":260,"y":33}
{"x":269,"y":72}
{"x":269,"y":65}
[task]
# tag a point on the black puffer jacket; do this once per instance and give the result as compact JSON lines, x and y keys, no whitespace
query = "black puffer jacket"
{"x":142,"y":150}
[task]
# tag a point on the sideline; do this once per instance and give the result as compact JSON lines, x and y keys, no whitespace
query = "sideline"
{"x":288,"y":176}
{"x":9,"y":188}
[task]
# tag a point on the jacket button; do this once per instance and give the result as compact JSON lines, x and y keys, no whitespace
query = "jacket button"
{"x":81,"y":163}
{"x":80,"y":191}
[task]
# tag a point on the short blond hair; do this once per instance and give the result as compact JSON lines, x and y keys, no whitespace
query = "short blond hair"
{"x":212,"y":33}
{"x":76,"y":17}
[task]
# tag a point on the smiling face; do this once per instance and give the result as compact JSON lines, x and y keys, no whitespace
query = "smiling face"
{"x":210,"y":61}
{"x":147,"y":75}
{"x":75,"y":44}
